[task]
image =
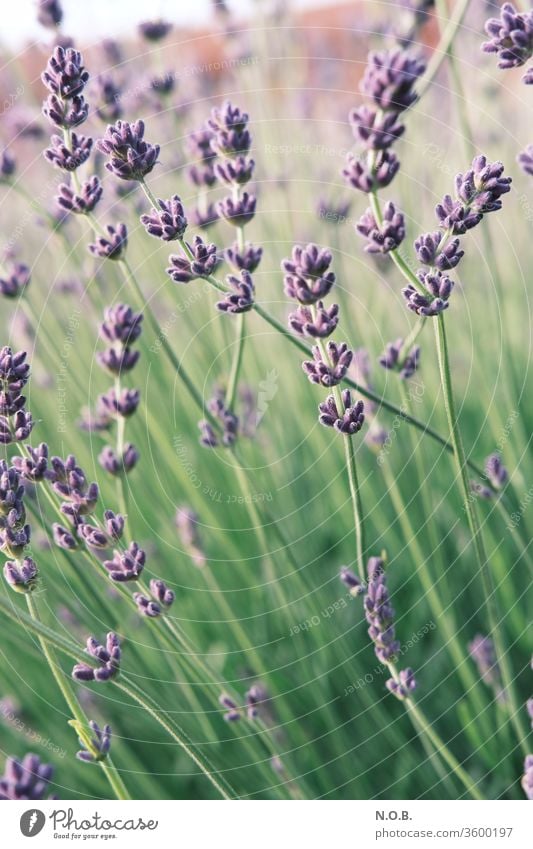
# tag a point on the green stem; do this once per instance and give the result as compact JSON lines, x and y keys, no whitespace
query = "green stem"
{"x":481,"y":559}
{"x":231,"y":391}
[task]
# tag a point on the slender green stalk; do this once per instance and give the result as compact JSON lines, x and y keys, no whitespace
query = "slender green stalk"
{"x":231,"y":391}
{"x":481,"y":559}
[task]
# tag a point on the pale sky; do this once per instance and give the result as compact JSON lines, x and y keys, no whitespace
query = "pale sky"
{"x":88,"y":20}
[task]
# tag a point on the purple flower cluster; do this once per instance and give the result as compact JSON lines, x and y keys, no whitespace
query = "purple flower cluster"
{"x":395,"y":359}
{"x":240,"y":295}
{"x":162,"y":596}
{"x":386,"y":236}
{"x":14,"y":282}
{"x":96,"y":748}
{"x":199,"y":260}
{"x":307,"y":277}
{"x":49,"y":13}
{"x":25,"y":780}
{"x":511,"y":38}
{"x":229,"y":423}
{"x":328,"y":370}
{"x":108,"y":657}
{"x":347,"y":420}
{"x":65,"y":107}
{"x":130,"y":156}
{"x":169,"y":222}
{"x":253,"y":698}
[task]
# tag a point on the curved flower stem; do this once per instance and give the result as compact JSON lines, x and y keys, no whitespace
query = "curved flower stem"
{"x":220,"y":784}
{"x":355,"y":493}
{"x":110,"y":771}
{"x":483,"y":564}
{"x":441,"y":50}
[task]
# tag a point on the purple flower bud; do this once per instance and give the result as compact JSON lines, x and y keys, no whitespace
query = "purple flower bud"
{"x":66,"y":114}
{"x":108,"y":657}
{"x":118,"y":362}
{"x":21,"y":576}
{"x":204,"y":261}
{"x":307,"y":278}
{"x":85,"y":201}
{"x":124,"y":404}
{"x":406,"y":366}
{"x":63,"y":538}
{"x":331,"y":372}
{"x":97,"y":748}
{"x":161,"y":592}
{"x":49,"y":13}
{"x":33,"y":468}
{"x":405,"y":684}
{"x":235,"y":172}
{"x":496,"y":471}
{"x":146,"y":606}
{"x":7,"y":166}
{"x":114,"y":245}
{"x":107,"y":95}
{"x":527,"y":79}
{"x":359,"y":177}
{"x":439,"y":288}
{"x":155,"y":30}
{"x":15,"y":281}
{"x":93,"y":537}
{"x":389,"y":79}
{"x":379,"y":613}
{"x":131,"y":158}
{"x":246,"y":260}
{"x":347,"y":421}
{"x":383,"y":237}
{"x":253,"y":697}
{"x":525,"y":159}
{"x":238,"y":211}
{"x":511,"y":37}
{"x":163,"y":84}
{"x":116,"y":466}
{"x":121,"y":324}
{"x":205,"y":217}
{"x":65,"y":75}
{"x":304,"y":323}
{"x":26,"y":779}
{"x":230,"y":134}
{"x":376,"y":130}
{"x":168,"y":222}
{"x":351,"y":581}
{"x":232,"y":714}
{"x":126,"y":565}
{"x":241,"y":298}
{"x":429,"y":251}
{"x":69,"y":159}
{"x":114,"y":523}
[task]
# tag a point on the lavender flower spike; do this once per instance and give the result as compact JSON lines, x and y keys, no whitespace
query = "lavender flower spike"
{"x":146,"y":606}
{"x":347,"y":421}
{"x":169,"y":222}
{"x":131,"y":157}
{"x":358,"y":176}
{"x":402,"y":686}
{"x":429,"y":251}
{"x":85,"y":201}
{"x":95,"y":748}
{"x":161,"y":592}
{"x":232,"y":714}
